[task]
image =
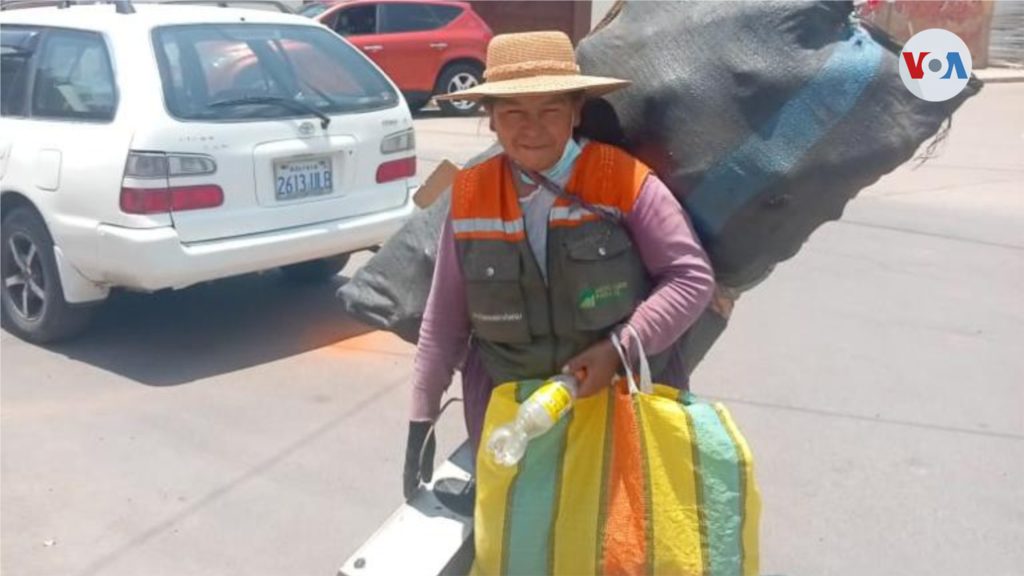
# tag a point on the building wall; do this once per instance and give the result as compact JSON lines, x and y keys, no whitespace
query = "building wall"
{"x":971,"y":20}
{"x":573,"y":18}
{"x":598,"y":9}
{"x":1006,"y":44}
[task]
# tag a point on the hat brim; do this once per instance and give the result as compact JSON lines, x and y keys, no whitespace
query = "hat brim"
{"x":592,"y":86}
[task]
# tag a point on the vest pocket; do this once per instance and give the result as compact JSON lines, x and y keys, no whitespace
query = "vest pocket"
{"x":605,"y":274}
{"x":495,"y":296}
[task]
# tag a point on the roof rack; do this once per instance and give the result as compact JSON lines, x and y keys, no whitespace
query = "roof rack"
{"x":279,"y":6}
{"x":15,"y":4}
{"x":122,"y":6}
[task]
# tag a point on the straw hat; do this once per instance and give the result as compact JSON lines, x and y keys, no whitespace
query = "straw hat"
{"x":533,"y":63}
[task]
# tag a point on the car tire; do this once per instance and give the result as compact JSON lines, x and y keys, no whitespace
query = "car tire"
{"x":417,"y":104}
{"x":33,"y":304}
{"x":315,"y":270}
{"x":459,"y":77}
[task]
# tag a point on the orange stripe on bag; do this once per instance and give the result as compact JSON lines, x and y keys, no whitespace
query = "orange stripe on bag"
{"x":625,"y":532}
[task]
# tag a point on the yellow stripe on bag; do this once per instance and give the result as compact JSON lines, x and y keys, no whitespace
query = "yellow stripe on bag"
{"x":677,"y":534}
{"x":752,"y":499}
{"x":493,"y":488}
{"x":576,"y":531}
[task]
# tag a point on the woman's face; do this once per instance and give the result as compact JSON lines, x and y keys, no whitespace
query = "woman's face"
{"x":533,"y":130}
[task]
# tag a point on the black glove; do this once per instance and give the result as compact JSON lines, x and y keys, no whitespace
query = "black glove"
{"x":414,"y":473}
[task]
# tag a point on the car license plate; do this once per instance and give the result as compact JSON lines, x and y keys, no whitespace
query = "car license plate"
{"x":303,"y":178}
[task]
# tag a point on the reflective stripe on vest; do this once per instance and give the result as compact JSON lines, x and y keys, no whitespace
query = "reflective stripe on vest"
{"x":485,"y":204}
{"x":470,"y":226}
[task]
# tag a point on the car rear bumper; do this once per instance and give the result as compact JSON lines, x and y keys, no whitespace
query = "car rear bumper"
{"x":154,"y":259}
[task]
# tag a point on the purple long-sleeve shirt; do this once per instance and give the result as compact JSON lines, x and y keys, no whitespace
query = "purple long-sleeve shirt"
{"x":664,"y":238}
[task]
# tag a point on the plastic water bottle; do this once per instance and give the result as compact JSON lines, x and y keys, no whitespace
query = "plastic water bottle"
{"x":538,"y":414}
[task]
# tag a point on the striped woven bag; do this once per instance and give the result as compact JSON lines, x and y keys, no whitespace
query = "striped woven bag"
{"x":642,"y":479}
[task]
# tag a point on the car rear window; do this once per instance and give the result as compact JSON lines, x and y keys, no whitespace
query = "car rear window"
{"x":445,"y":14}
{"x":314,"y":10}
{"x":205,"y":66}
{"x":408,"y":17}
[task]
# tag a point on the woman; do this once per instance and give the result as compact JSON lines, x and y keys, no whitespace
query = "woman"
{"x":549,"y":247}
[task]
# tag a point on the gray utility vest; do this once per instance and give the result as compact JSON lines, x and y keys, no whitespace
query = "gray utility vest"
{"x":525,"y":328}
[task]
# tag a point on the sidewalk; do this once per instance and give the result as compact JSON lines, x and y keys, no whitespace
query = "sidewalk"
{"x":995,"y":75}
{"x":903,"y":459}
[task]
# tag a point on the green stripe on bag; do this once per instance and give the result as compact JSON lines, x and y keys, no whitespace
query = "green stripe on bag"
{"x":698,"y":481}
{"x":528,"y":549}
{"x":750,"y":500}
{"x":721,"y":489}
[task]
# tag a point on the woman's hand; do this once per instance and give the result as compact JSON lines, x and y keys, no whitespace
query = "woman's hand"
{"x":417,"y":471}
{"x":595,"y":367}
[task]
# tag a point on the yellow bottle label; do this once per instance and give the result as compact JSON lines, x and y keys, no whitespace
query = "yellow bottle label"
{"x":555,"y":399}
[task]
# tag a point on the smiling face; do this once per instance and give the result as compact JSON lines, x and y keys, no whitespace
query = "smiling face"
{"x":533,"y":130}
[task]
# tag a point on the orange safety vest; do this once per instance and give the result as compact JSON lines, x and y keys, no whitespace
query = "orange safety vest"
{"x":527,"y":328}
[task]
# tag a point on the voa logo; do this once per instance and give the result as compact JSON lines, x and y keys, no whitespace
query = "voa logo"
{"x":936,"y":65}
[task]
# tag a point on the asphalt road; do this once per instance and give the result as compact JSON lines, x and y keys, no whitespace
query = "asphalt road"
{"x":249,"y":427}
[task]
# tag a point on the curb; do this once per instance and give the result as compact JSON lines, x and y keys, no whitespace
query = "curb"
{"x":1000,"y":75}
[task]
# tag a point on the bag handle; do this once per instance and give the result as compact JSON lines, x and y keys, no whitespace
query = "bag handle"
{"x":430,"y":431}
{"x":630,"y":381}
{"x":646,"y":384}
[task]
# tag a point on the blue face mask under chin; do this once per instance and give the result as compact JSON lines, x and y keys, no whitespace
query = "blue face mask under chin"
{"x":562,"y":170}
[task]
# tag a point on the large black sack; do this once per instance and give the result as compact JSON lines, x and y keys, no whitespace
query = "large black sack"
{"x":764,"y":119}
{"x":390,"y":291}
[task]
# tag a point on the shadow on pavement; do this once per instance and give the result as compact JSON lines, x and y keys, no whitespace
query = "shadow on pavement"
{"x":177,"y":337}
{"x":436,"y":113}
{"x":428,"y":114}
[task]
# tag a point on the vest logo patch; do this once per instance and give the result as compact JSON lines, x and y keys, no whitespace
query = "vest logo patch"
{"x":592,"y":298}
{"x":506,"y":317}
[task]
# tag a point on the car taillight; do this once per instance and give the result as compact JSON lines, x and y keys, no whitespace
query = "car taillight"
{"x":145,"y":200}
{"x":177,"y":199}
{"x":149,"y":165}
{"x":396,"y":170}
{"x":196,"y":197}
{"x":152,"y":171}
{"x":398,"y":142}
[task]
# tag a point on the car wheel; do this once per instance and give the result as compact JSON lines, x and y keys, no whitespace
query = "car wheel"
{"x":33,"y":302}
{"x":455,"y":78}
{"x":315,"y":270}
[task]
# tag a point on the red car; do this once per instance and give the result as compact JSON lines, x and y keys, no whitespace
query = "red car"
{"x":427,"y":47}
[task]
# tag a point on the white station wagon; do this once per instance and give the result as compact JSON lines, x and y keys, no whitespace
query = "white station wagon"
{"x":158,"y":146}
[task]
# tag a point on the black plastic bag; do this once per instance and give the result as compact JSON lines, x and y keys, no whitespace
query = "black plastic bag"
{"x":764,"y":118}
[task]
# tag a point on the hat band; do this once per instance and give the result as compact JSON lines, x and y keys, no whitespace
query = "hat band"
{"x":530,"y":69}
